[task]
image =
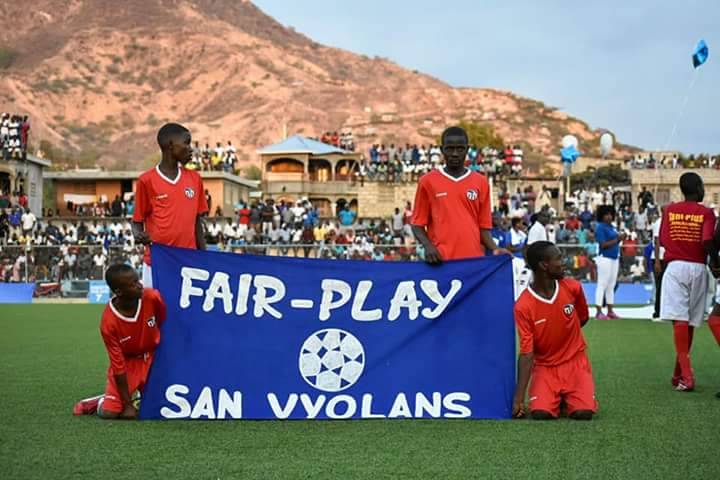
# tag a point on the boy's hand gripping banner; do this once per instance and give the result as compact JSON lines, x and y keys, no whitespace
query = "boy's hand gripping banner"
{"x":254,"y":337}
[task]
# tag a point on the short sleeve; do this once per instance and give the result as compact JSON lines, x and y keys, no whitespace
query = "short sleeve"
{"x":525,"y":330}
{"x":485,"y":212}
{"x":421,"y":209}
{"x":664,"y":228}
{"x":112,"y":345}
{"x":708,"y":226}
{"x":160,"y":310}
{"x":581,"y":306}
{"x":202,"y":201}
{"x":143,"y":207}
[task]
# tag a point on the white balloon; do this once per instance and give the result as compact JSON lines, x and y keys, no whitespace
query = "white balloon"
{"x":568,"y":140}
{"x":606,"y":143}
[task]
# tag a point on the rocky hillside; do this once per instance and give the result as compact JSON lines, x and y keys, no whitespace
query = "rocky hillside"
{"x":100,"y":76}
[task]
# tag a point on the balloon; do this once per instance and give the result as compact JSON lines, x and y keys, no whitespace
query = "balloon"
{"x":700,"y":55}
{"x":606,"y":144}
{"x":568,"y":140}
{"x":569,"y":154}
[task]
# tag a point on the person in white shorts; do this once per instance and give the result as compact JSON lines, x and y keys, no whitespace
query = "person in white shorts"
{"x":537,"y":233}
{"x":607,"y":261}
{"x":518,"y":239}
{"x":686,"y":232}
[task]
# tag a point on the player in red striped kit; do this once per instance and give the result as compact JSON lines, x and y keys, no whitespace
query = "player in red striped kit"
{"x":549,"y":315}
{"x":686,"y":232}
{"x":169,"y":199}
{"x":130,"y":329}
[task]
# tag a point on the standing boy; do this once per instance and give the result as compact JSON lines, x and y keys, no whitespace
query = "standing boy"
{"x":169,"y":200}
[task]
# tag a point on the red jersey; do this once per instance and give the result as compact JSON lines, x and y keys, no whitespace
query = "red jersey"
{"x":244,"y":216}
{"x":550,"y":328}
{"x":131,"y":337}
{"x":454,"y":210}
{"x":683,"y":229}
{"x":169,"y":208}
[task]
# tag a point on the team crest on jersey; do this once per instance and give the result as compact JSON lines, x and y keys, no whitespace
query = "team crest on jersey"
{"x":471,"y":194}
{"x":569,"y":309}
{"x":189,"y":192}
{"x":151,"y":322}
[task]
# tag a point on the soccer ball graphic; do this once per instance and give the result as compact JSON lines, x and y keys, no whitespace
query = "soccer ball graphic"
{"x":331,"y":360}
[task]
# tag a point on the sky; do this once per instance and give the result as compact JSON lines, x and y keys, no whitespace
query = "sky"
{"x":621,"y":65}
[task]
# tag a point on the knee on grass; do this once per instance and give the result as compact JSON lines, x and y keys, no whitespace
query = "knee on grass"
{"x":582,"y":415}
{"x":106,"y":414}
{"x":541,"y":415}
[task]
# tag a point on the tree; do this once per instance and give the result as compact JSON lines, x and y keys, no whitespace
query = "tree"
{"x":482,"y":135}
{"x":612,"y":174}
{"x":7,"y":57}
{"x":252,"y":172}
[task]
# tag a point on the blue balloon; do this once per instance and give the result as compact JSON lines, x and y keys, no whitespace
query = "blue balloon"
{"x":569,"y":154}
{"x":700,"y":55}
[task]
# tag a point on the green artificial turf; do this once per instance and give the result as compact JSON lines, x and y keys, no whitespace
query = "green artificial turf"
{"x":51,"y":356}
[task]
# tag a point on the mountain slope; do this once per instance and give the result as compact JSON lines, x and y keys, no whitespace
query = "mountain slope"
{"x":102,"y":75}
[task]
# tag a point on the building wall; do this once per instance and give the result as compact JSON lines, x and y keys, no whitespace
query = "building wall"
{"x":34,"y":187}
{"x":215,"y":187}
{"x":664,"y":184}
{"x":107,"y":189}
{"x":380,"y":199}
{"x":75,"y":187}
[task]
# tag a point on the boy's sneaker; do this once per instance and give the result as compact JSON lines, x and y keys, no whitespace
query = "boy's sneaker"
{"x":613,"y":316}
{"x":602,"y":316}
{"x":88,"y":406}
{"x":685,"y":385}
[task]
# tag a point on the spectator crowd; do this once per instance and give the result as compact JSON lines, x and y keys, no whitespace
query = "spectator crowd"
{"x":221,"y":158}
{"x":674,"y":160}
{"x":398,"y":164}
{"x":57,"y":248}
{"x":14,"y":134}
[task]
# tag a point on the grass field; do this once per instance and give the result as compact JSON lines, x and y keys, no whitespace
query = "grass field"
{"x":51,"y":355}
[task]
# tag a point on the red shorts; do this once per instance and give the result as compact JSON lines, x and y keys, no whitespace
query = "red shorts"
{"x":137,"y":369}
{"x":571,"y":382}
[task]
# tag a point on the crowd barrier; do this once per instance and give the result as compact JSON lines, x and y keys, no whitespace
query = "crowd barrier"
{"x":54,"y":275}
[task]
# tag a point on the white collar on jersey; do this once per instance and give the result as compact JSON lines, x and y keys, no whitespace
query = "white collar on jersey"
{"x":177,"y":179}
{"x":461,"y":177}
{"x":123,"y":317}
{"x":543,"y":299}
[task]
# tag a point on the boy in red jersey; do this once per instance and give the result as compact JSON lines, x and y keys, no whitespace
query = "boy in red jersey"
{"x":686,"y":232}
{"x":130,"y":328}
{"x":549,"y":315}
{"x":452,"y":217}
{"x":169,"y":199}
{"x":714,"y":319}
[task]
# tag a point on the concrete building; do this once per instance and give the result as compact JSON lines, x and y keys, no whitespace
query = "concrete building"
{"x":299,"y":167}
{"x":16,"y":175}
{"x":663,"y":183}
{"x":90,"y":186}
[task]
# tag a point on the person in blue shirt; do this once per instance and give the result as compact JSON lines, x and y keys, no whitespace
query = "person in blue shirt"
{"x":347,"y":217}
{"x":14,"y":217}
{"x":499,"y":234}
{"x":607,"y":261}
{"x":581,"y":236}
{"x":518,"y":237}
{"x":130,"y":208}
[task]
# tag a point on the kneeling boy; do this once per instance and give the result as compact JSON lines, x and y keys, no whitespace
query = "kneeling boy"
{"x":130,"y":330}
{"x":549,"y":315}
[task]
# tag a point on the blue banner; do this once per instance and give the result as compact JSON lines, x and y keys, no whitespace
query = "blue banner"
{"x":258,"y":337}
{"x":16,"y":292}
{"x":99,"y":292}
